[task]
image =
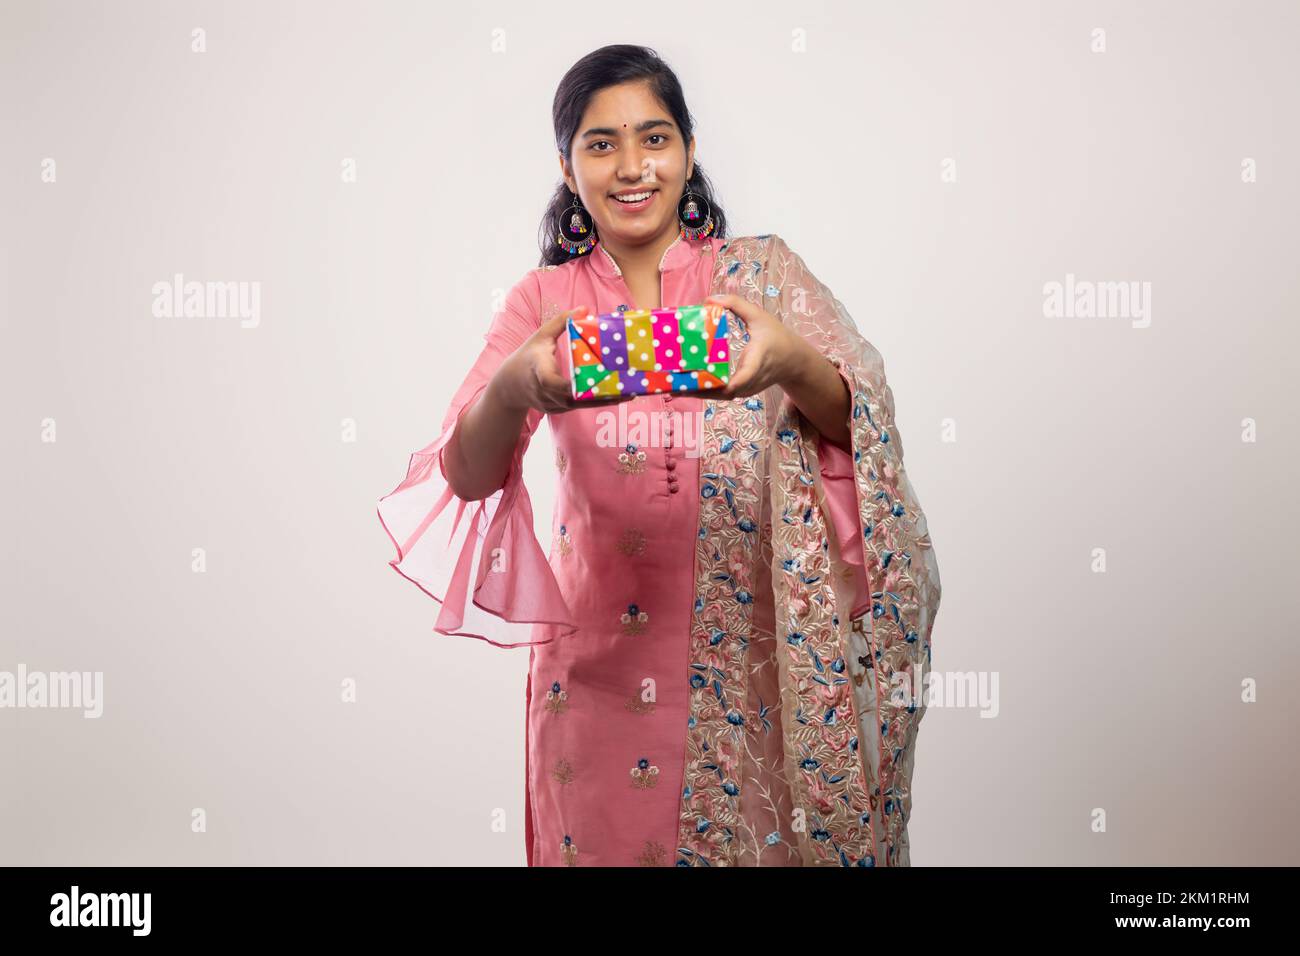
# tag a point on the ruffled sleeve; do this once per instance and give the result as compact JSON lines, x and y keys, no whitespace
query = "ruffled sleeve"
{"x":479,"y":560}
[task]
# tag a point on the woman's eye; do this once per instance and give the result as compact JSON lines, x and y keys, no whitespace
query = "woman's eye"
{"x":606,"y":142}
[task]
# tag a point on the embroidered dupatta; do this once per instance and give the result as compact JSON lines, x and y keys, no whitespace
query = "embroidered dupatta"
{"x":851,"y":693}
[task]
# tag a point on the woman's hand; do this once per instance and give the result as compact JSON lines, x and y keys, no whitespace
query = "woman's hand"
{"x":774,"y":355}
{"x":532,"y":378}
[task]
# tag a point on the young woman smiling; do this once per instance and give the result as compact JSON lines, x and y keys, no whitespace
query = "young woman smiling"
{"x":727,"y":639}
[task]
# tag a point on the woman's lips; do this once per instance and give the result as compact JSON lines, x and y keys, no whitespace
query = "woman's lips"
{"x":635,"y":206}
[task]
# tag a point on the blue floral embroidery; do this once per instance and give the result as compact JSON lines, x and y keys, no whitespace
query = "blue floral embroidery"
{"x":569,"y":850}
{"x":645,"y":775}
{"x":634,"y":620}
{"x":631,"y":461}
{"x":557,"y":700}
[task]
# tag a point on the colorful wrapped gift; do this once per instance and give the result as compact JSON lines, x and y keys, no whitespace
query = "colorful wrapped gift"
{"x":645,"y":352}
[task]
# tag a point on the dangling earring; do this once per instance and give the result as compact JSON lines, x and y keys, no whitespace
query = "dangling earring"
{"x":580,"y":236}
{"x":688,"y":215}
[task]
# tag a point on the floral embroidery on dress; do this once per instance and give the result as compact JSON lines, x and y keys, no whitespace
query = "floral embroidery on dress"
{"x":632,"y":543}
{"x":634,"y":620}
{"x":847,"y":752}
{"x":851,"y":747}
{"x":569,"y":850}
{"x":637,"y":705}
{"x":563,"y":772}
{"x":631,"y":461}
{"x":713,"y":830}
{"x":652,"y":855}
{"x":645,"y":775}
{"x":557,"y":701}
{"x":565,"y":543}
{"x":550,"y":310}
{"x":561,"y":460}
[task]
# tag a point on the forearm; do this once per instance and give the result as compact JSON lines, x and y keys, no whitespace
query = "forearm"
{"x":822,"y":395}
{"x":477,"y":457}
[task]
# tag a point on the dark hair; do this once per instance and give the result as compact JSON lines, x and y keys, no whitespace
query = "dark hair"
{"x":610,"y":66}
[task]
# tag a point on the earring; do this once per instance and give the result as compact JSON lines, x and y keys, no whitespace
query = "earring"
{"x":580,"y":237}
{"x":688,"y":215}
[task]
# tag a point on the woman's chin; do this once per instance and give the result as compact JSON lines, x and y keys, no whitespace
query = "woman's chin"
{"x":631,"y":233}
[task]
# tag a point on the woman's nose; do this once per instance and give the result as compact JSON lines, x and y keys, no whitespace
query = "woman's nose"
{"x":635,"y":168}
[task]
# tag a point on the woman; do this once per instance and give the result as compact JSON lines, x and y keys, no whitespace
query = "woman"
{"x":706,"y":685}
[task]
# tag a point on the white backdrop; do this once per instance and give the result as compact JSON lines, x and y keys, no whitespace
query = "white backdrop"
{"x":189,"y":503}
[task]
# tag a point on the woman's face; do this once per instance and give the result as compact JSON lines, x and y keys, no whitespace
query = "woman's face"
{"x":628,"y":143}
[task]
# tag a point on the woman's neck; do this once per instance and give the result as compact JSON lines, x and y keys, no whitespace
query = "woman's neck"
{"x":640,"y":263}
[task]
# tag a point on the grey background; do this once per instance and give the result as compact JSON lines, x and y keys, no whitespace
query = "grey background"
{"x":1118,"y":691}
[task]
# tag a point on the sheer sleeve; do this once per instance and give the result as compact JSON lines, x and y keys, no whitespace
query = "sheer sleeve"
{"x":480,"y":560}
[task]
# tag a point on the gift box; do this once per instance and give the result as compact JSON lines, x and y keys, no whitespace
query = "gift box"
{"x":645,"y":352}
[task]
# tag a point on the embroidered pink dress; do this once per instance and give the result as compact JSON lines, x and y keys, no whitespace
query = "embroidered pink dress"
{"x":607,"y":609}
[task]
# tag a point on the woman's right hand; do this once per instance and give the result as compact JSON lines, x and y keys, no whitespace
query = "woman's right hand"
{"x":532,"y":377}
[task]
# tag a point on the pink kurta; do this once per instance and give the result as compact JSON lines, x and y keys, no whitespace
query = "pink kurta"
{"x":607,"y":612}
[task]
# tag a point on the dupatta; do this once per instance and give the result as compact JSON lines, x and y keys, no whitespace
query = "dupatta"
{"x":771,"y":615}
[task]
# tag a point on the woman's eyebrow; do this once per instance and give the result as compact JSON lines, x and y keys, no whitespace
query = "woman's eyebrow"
{"x":640,"y":128}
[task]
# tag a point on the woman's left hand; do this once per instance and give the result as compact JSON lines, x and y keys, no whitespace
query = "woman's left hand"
{"x":773,"y":355}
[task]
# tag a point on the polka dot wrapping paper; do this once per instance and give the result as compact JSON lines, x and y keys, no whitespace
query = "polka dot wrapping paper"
{"x":646,"y":352}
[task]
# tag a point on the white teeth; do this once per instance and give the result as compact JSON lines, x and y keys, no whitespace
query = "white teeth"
{"x":635,"y":197}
